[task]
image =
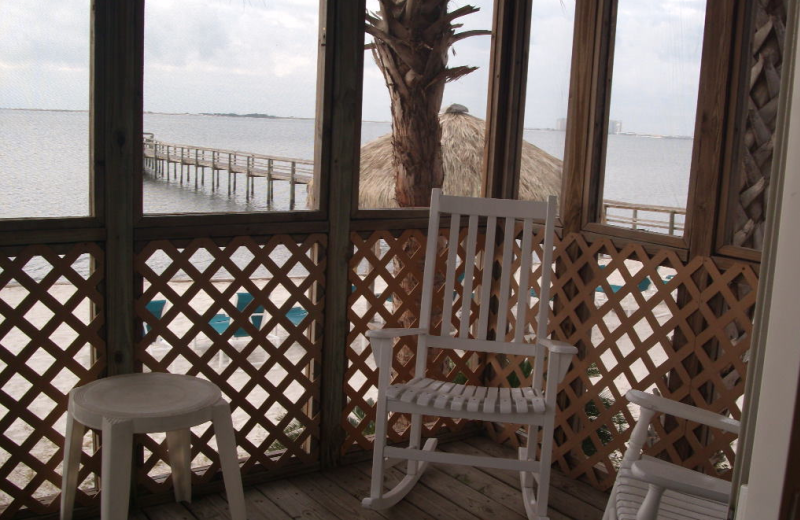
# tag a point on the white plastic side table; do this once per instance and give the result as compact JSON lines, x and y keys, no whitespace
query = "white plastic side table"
{"x":120,"y":406}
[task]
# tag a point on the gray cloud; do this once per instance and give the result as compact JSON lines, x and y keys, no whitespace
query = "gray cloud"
{"x":260,"y":56}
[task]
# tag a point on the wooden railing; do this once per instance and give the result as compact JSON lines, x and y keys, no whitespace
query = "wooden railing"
{"x":159,"y":155}
{"x":633,"y":218}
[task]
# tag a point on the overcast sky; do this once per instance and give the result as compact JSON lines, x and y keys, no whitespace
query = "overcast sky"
{"x":248,"y":56}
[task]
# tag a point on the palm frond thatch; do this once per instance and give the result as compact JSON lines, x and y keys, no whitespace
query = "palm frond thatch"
{"x":463,"y":138}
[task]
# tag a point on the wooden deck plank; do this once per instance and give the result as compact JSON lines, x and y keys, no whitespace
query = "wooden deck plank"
{"x":461,"y":493}
{"x":356,"y":483}
{"x":485,"y":482}
{"x":424,"y":498}
{"x":574,"y":499}
{"x":171,"y":511}
{"x":334,"y":498}
{"x":211,"y":507}
{"x":260,"y":507}
{"x":556,"y":510}
{"x":296,"y":502}
{"x":444,"y":493}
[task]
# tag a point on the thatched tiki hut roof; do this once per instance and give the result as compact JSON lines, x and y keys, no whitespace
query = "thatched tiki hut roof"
{"x":462,"y":153}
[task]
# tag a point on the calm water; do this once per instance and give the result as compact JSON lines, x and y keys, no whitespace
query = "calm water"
{"x":44,"y":163}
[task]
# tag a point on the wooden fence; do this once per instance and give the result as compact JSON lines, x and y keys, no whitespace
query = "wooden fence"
{"x":627,"y":310}
{"x":685,"y":333}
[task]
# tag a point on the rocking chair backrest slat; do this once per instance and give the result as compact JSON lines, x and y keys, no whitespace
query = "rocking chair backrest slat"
{"x":505,"y":279}
{"x":523,"y":302}
{"x":544,"y":290}
{"x":450,"y":277}
{"x":511,"y":212}
{"x":469,"y":273}
{"x":486,"y":282}
{"x":427,"y":288}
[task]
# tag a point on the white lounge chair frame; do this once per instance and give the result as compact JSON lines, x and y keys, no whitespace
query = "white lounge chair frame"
{"x":534,"y":406}
{"x":652,"y":489}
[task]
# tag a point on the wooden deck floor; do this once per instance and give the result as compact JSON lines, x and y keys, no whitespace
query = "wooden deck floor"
{"x":445,"y":493}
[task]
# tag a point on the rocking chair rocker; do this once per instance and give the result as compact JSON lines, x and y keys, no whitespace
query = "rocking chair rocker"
{"x":534,"y":406}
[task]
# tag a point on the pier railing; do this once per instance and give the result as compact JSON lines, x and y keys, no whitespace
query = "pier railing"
{"x":159,"y":155}
{"x":644,"y":216}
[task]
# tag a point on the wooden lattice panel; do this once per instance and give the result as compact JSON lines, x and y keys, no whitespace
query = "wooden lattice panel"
{"x":386,"y":277}
{"x":628,"y":341}
{"x":267,"y":370}
{"x":51,"y":315}
{"x":768,"y":38}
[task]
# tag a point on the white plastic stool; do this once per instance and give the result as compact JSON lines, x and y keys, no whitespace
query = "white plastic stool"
{"x":120,"y":406}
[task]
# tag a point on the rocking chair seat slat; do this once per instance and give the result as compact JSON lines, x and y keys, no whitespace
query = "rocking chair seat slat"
{"x":439,"y":395}
{"x":674,"y":506}
{"x":652,"y":489}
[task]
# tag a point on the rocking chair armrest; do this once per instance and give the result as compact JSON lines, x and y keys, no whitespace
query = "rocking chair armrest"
{"x":670,"y":476}
{"x":683,"y":410}
{"x":558,"y":347}
{"x":394,"y":333}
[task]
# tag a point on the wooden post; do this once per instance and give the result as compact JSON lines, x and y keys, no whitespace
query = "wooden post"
{"x":269,"y":183}
{"x":337,"y":157}
{"x":252,"y":179}
{"x":248,"y":178}
{"x":292,"y":185}
{"x":635,"y":219}
{"x":116,"y":159}
{"x":671,"y":222}
{"x":229,"y":174}
{"x":231,"y":166}
{"x":505,"y":115}
{"x":196,"y":166}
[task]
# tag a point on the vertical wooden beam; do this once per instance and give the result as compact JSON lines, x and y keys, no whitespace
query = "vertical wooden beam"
{"x":116,"y":159}
{"x":337,"y":152}
{"x":505,"y":113}
{"x":714,"y":108}
{"x":592,"y":60}
{"x":587,"y":115}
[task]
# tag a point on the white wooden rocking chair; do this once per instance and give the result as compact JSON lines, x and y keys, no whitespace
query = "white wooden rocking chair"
{"x":534,"y":406}
{"x":652,"y":489}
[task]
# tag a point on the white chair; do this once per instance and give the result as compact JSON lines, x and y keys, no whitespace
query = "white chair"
{"x":652,"y":489}
{"x":120,"y":406}
{"x":534,"y":406}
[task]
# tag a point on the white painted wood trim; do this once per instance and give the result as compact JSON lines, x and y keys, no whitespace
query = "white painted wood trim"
{"x":498,"y":208}
{"x":438,"y":457}
{"x":514,"y":418}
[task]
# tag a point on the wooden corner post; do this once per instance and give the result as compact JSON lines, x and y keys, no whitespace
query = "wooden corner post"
{"x":338,"y":148}
{"x":117,"y":64}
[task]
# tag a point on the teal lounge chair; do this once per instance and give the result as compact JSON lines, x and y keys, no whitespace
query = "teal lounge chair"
{"x":296,"y":315}
{"x":220,"y":322}
{"x":156,"y":308}
{"x":641,"y":286}
{"x":243,"y":299}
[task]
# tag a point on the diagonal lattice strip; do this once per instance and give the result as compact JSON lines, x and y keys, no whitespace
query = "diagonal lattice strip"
{"x":51,"y":314}
{"x":386,"y":277}
{"x":647,"y":321}
{"x":246,"y":315}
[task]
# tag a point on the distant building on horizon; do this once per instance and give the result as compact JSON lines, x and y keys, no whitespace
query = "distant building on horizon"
{"x":561,"y":124}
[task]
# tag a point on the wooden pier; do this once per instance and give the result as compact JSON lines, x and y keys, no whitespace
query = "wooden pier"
{"x":189,"y":164}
